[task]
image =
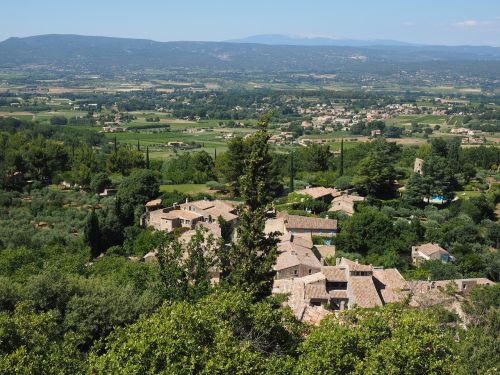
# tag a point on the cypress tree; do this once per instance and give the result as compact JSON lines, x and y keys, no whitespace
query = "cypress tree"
{"x":116,"y":148}
{"x":292,"y":171}
{"x":147,"y":157}
{"x":92,"y":234}
{"x":138,"y":146}
{"x":342,"y":157}
{"x":248,"y":263}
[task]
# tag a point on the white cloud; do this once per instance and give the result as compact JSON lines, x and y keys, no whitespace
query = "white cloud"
{"x":468,"y":23}
{"x":474,"y":23}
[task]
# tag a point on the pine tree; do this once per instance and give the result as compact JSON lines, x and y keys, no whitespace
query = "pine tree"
{"x":248,"y":263}
{"x":92,"y":234}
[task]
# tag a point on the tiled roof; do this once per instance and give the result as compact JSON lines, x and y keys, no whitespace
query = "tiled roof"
{"x":314,"y":278}
{"x":391,"y":284}
{"x":292,"y":255}
{"x":363,"y":292}
{"x":282,"y":286}
{"x":205,"y":204}
{"x":326,"y":251}
{"x":153,"y":203}
{"x":181,"y":214}
{"x":313,"y":314}
{"x":354,"y":266}
{"x":348,"y":198}
{"x":304,"y":222}
{"x":340,"y":294}
{"x":345,"y":203}
{"x":318,"y":192}
{"x":334,"y":274}
{"x":316,"y":292}
{"x":274,"y":225}
{"x":201,"y":204}
{"x":430,"y":248}
{"x":304,"y":240}
{"x":215,"y":212}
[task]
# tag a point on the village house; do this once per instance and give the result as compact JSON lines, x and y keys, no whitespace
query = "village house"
{"x":302,"y":225}
{"x":444,"y":293}
{"x":296,"y":257}
{"x":112,"y":129}
{"x":210,"y":229}
{"x":176,"y":144}
{"x":187,"y":215}
{"x":418,"y":166}
{"x":462,"y":285}
{"x":340,"y":287}
{"x":429,"y":251}
{"x":474,"y":140}
{"x":320,"y":193}
{"x":345,"y":203}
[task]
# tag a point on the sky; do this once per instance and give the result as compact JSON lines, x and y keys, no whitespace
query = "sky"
{"x":444,"y":22}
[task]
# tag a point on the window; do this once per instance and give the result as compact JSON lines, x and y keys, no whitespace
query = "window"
{"x":310,"y":271}
{"x":295,"y":272}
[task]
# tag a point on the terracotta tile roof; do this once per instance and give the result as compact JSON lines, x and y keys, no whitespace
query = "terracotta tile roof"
{"x":326,"y":251}
{"x":292,"y":255}
{"x":304,"y":240}
{"x":313,"y":314}
{"x":274,"y":225}
{"x":345,"y":203}
{"x":430,"y":249}
{"x":314,"y":278}
{"x":363,"y":292}
{"x":205,"y":204}
{"x":282,"y":286}
{"x":153,"y":203}
{"x":304,"y":222}
{"x":391,"y":284}
{"x":181,"y":214}
{"x":348,"y":198}
{"x":319,"y":192}
{"x":316,"y":292}
{"x":201,"y":204}
{"x":333,"y":273}
{"x":353,"y":266}
{"x":215,"y":212}
{"x":340,"y":294}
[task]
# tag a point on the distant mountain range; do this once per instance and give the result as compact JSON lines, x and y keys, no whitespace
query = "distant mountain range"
{"x":293,"y":40}
{"x":95,"y":53}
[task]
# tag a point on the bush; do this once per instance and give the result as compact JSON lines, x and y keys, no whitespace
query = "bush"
{"x":58,"y":120}
{"x":214,"y":185}
{"x":343,"y":182}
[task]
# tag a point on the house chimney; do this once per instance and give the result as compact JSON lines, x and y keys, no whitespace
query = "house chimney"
{"x":357,"y":261}
{"x":187,"y":200}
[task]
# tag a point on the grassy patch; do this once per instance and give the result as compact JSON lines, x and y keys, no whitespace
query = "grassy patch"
{"x":186,"y":188}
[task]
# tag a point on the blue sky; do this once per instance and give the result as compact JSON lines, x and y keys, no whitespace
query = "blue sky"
{"x":421,"y":21}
